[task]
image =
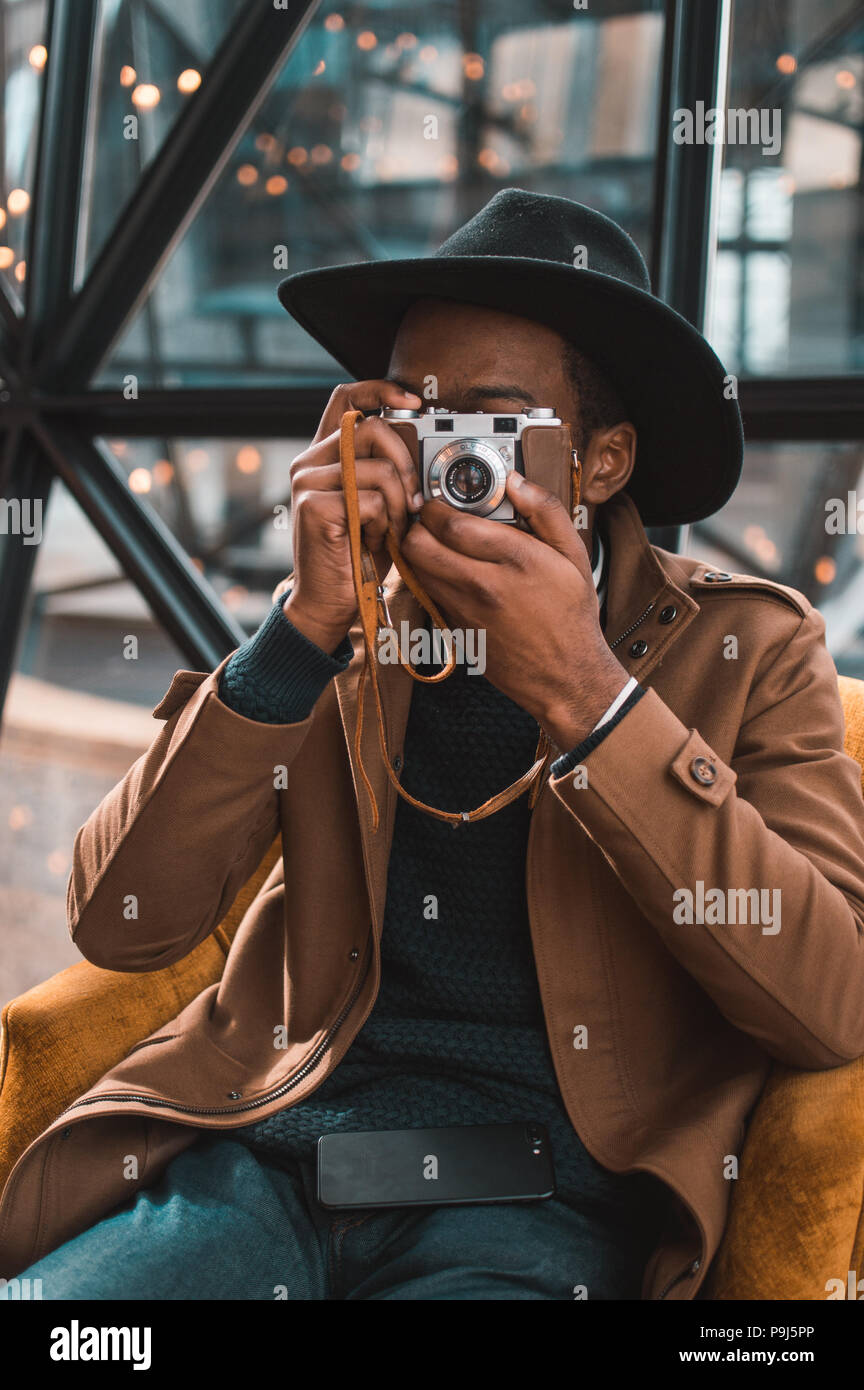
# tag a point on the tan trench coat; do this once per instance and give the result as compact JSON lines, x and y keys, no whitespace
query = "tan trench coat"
{"x":682,"y":1019}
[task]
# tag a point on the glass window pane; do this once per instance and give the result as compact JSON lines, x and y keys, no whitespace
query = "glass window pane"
{"x":728,"y":270}
{"x":92,"y":665}
{"x":23,"y":56}
{"x":800,"y":70}
{"x":769,"y":205}
{"x":228,"y":503}
{"x":766,"y":285}
{"x":730,"y":206}
{"x":388,"y":127}
{"x":149,"y":60}
{"x":798,"y":517}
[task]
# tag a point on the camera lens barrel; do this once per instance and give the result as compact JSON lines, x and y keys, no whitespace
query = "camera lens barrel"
{"x":470,"y":475}
{"x":468,"y":480}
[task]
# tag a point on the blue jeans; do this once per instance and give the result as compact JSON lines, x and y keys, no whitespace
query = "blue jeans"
{"x":223,"y":1223}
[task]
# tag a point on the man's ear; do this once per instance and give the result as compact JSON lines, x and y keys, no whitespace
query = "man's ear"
{"x":608,"y":462}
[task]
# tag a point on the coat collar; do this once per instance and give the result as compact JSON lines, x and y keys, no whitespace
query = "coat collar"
{"x":641,"y":589}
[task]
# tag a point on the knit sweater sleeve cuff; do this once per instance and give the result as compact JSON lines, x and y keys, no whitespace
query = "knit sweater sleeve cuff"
{"x":568,"y":761}
{"x":276,"y":676}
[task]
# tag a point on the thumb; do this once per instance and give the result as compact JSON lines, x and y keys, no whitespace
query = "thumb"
{"x":546,"y":515}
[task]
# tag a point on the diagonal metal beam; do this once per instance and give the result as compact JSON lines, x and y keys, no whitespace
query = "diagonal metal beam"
{"x":174,"y":187}
{"x":9,"y":319}
{"x":181,"y":599}
{"x":26,"y":487}
{"x":59,"y":165}
{"x":10,"y":443}
{"x":10,"y":337}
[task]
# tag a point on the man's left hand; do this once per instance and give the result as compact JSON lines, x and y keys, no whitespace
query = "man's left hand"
{"x":534,"y":596}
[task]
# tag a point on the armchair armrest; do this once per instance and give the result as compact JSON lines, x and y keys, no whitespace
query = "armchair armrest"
{"x":796,"y":1218}
{"x":797,"y":1214}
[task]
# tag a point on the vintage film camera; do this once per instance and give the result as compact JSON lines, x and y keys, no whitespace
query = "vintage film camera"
{"x":464,"y":459}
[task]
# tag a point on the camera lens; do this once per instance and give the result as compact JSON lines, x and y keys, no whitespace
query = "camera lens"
{"x":468,"y":480}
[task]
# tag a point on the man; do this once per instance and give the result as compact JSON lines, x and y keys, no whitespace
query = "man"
{"x":535,"y":964}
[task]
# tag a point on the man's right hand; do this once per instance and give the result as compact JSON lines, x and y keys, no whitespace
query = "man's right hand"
{"x":322,"y":604}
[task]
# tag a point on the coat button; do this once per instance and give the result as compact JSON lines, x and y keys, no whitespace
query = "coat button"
{"x":353,"y":955}
{"x":668,"y":614}
{"x":716,"y":577}
{"x":639,"y":648}
{"x":233,"y":1095}
{"x":696,"y":1266}
{"x":65,"y":1133}
{"x":703,"y":771}
{"x":397,"y":763}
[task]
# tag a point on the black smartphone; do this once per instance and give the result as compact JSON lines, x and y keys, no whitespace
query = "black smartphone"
{"x":435,"y":1167}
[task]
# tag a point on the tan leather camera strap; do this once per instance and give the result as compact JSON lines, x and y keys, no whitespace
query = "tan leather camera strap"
{"x":372,"y":607}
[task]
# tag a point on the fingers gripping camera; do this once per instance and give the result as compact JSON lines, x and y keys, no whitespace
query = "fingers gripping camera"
{"x":464,"y":459}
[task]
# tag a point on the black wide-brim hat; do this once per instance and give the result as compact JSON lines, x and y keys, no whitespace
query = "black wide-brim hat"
{"x":517,"y":254}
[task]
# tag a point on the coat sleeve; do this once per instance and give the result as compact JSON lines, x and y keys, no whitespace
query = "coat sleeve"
{"x":785,"y":814}
{"x":159,"y":862}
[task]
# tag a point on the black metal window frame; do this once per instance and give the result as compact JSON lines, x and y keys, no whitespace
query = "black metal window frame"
{"x":52,"y":420}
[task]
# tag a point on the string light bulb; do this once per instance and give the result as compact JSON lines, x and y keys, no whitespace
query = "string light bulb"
{"x":18,"y":202}
{"x":146,"y":95}
{"x":140,"y":480}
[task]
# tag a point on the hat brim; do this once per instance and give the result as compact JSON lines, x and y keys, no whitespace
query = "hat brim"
{"x":690,"y":440}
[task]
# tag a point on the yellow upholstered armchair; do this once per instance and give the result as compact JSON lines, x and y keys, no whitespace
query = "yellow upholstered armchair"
{"x":797,"y":1214}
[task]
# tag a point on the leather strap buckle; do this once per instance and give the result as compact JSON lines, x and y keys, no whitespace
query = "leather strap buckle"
{"x":383,"y":611}
{"x":575,"y":483}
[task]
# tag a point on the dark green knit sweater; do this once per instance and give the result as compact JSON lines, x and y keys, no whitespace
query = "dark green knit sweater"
{"x":457,"y":1035}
